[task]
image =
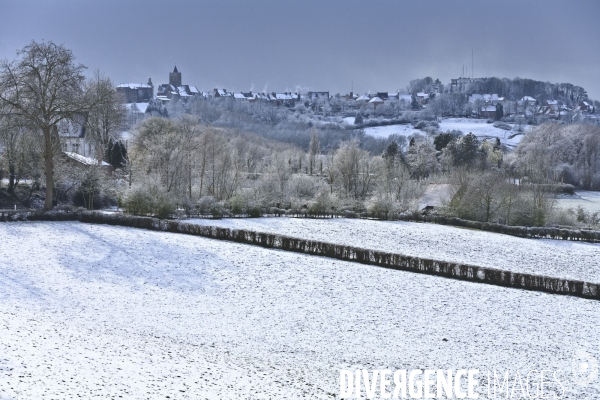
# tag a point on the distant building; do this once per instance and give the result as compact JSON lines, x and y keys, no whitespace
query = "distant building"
{"x":376,"y":101}
{"x":136,"y":92}
{"x":488,"y":111}
{"x":175,"y":88}
{"x":461,"y":85}
{"x":73,"y":136}
{"x":221,"y":93}
{"x":318,"y":95}
{"x":383,"y":95}
{"x":175,"y":77}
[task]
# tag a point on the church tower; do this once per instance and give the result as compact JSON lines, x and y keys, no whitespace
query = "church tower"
{"x":175,"y":78}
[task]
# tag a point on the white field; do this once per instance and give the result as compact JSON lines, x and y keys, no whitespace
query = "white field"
{"x":93,"y":311}
{"x":479,"y":127}
{"x":589,"y":201}
{"x":385,"y":131}
{"x":557,"y":258}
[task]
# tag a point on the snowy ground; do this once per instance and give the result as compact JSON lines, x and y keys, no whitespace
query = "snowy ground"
{"x":94,"y":311}
{"x":479,"y":127}
{"x":556,"y":258}
{"x":589,"y":201}
{"x":387,"y":130}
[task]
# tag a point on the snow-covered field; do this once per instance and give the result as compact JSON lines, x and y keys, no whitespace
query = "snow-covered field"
{"x":387,"y":130}
{"x":589,"y":201}
{"x":555,"y":258}
{"x":479,"y":127}
{"x":93,"y":311}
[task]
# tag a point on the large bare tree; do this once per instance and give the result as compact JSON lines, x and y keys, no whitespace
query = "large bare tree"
{"x":44,"y":86}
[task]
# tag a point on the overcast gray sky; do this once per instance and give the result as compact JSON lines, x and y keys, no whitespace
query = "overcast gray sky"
{"x":281,"y":45}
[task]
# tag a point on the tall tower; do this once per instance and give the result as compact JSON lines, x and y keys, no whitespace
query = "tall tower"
{"x":175,"y":78}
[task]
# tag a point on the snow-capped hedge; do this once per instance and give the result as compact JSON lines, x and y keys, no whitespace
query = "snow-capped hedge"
{"x":466,"y":272}
{"x":578,"y":235}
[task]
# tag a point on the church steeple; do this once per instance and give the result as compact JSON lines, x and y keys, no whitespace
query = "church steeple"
{"x":175,"y":77}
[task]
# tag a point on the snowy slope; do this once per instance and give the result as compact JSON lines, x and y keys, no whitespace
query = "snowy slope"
{"x":555,"y":258}
{"x":95,"y":311}
{"x":588,"y":200}
{"x":481,"y":129}
{"x":387,"y":130}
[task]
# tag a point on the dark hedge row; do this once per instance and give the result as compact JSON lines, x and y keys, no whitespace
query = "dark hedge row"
{"x":578,"y":235}
{"x":348,"y":253}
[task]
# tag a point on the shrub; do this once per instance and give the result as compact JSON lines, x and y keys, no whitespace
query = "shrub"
{"x":237,"y":205}
{"x":502,"y":125}
{"x":205,"y":205}
{"x":254,"y":212}
{"x":138,"y":201}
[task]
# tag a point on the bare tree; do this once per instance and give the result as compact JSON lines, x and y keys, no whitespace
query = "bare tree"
{"x":314,"y":149}
{"x":44,"y":86}
{"x":106,"y":115}
{"x":13,"y":142}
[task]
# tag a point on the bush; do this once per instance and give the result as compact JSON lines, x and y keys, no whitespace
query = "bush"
{"x":205,"y":205}
{"x":502,"y":125}
{"x":237,"y":204}
{"x":138,"y":201}
{"x":254,"y":212}
{"x":142,"y":201}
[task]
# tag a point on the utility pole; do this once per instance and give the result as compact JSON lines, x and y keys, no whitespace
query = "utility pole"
{"x":472,"y":57}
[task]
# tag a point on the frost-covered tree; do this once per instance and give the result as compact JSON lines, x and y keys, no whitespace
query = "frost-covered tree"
{"x":421,"y":158}
{"x":314,"y":150}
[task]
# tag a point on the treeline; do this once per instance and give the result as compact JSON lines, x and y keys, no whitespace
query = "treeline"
{"x":201,"y":169}
{"x":512,"y":89}
{"x":181,"y":163}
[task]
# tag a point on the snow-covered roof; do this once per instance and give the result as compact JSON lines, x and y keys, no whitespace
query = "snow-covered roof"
{"x":364,"y":97}
{"x":552,"y":102}
{"x":84,"y":160}
{"x":405,"y":97}
{"x":182,"y":91}
{"x":527,"y":98}
{"x":134,"y":86}
{"x":222,"y":92}
{"x":284,"y":96}
{"x":485,"y":97}
{"x":375,"y":100}
{"x":425,"y":95}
